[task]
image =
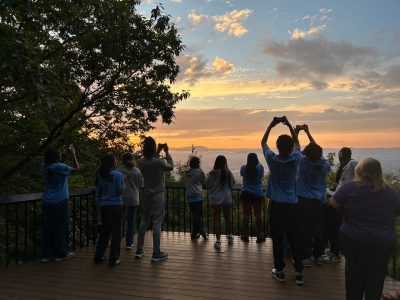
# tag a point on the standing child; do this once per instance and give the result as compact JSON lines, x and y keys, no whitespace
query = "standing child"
{"x":55,"y":206}
{"x":220,"y":182}
{"x":153,"y":169}
{"x":252,"y":195}
{"x":133,"y":181}
{"x":282,"y":191}
{"x":109,"y":190}
{"x":311,"y":184}
{"x":194,"y":196}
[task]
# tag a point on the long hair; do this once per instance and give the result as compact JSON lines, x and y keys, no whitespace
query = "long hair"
{"x":368,"y":172}
{"x":251,"y":166}
{"x":149,"y":147}
{"x":222,"y":165}
{"x":107,"y":165}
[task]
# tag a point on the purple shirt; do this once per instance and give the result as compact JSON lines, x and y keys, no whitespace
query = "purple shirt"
{"x":368,"y":216}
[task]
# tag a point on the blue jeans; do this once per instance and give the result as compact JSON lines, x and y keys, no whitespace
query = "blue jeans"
{"x":130,"y":227}
{"x":55,"y":230}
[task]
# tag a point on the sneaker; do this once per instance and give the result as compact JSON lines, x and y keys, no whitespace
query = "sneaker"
{"x":230,"y":238}
{"x":98,"y":260}
{"x":278,"y":275}
{"x":67,"y":257}
{"x":245,"y":238}
{"x":159,"y":256}
{"x":194,"y":236}
{"x":204,"y":234}
{"x":307,"y":262}
{"x":112,"y":264}
{"x":260,"y":239}
{"x":45,"y":260}
{"x":217,"y":244}
{"x":299,"y":278}
{"x":331,"y":258}
{"x":130,"y":247}
{"x":319,"y":261}
{"x":139,"y":253}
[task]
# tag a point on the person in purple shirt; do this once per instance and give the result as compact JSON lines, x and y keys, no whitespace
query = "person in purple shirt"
{"x":109,"y":190}
{"x":368,"y":232}
{"x":282,"y":192}
{"x":311,"y":185}
{"x":55,"y":205}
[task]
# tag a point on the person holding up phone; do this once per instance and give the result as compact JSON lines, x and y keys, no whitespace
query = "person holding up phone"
{"x":282,"y":192}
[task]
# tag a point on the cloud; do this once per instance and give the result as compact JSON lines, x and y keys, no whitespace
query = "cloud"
{"x":319,"y":56}
{"x":177,"y":1}
{"x":193,"y":68}
{"x":197,"y":19}
{"x":231,"y":22}
{"x":298,"y":33}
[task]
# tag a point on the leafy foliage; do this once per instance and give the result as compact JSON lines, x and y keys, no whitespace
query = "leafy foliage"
{"x":81,"y":70}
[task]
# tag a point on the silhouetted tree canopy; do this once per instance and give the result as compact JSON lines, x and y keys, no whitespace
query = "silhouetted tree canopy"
{"x":93,"y":68}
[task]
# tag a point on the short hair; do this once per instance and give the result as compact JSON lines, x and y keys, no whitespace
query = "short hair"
{"x":345,"y":153}
{"x":51,"y":155}
{"x":128,"y":160}
{"x":285,"y":145}
{"x":149,"y":147}
{"x":194,"y":162}
{"x":368,"y":172}
{"x":313,"y":151}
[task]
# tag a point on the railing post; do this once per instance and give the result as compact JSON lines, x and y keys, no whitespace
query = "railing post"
{"x":16,"y":233}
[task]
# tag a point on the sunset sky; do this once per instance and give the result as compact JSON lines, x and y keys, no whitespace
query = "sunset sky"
{"x":334,"y":65}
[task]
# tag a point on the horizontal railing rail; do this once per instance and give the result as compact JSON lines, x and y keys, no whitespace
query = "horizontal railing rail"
{"x":21,"y":221}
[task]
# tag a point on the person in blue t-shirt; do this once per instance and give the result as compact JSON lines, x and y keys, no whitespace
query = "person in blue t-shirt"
{"x":252,"y":195}
{"x":55,"y":205}
{"x":311,"y":185}
{"x":109,"y":190}
{"x":282,"y":192}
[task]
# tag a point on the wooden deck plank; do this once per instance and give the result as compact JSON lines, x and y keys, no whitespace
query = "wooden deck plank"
{"x":194,"y":270}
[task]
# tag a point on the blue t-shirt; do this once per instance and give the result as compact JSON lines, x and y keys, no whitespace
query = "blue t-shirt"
{"x":368,"y":216}
{"x":311,"y":182}
{"x":282,"y":182}
{"x":56,"y":183}
{"x":253,"y":186}
{"x":107,"y":189}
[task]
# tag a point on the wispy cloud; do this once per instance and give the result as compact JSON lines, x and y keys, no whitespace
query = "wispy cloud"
{"x":298,"y":33}
{"x":177,"y":1}
{"x":315,"y":24}
{"x":231,"y":22}
{"x":195,"y":18}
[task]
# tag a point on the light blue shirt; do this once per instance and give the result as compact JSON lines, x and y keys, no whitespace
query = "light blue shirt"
{"x":312,"y":179}
{"x":56,"y":183}
{"x":108,"y":189}
{"x":253,"y":186}
{"x":282,"y":182}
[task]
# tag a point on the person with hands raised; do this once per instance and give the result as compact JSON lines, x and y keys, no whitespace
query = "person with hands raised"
{"x":282,"y":192}
{"x":311,"y":184}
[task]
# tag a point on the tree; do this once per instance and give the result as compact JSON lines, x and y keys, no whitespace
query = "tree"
{"x":96,"y":68}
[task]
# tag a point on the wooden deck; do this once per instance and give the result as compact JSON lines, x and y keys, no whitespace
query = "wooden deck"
{"x":194,"y":270}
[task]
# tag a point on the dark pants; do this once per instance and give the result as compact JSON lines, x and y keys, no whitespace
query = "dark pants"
{"x":55,"y":230}
{"x":365,"y":270}
{"x":130,"y":227}
{"x":196,"y":209}
{"x":250,"y":201}
{"x":332,"y":222}
{"x":284,"y":218}
{"x":311,"y":222}
{"x":227,"y":211}
{"x":111,"y":217}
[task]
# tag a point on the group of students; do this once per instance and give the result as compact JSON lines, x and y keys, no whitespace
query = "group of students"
{"x":298,"y":206}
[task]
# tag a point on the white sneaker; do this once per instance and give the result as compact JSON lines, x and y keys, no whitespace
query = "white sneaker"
{"x":230,"y":238}
{"x":217,"y":244}
{"x":70,"y":255}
